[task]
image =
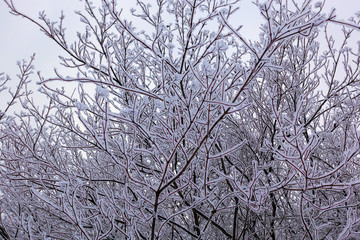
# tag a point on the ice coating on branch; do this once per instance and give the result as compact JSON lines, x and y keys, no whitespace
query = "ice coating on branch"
{"x":318,"y":4}
{"x":170,"y":45}
{"x":102,"y":92}
{"x":81,"y":106}
{"x":221,"y":46}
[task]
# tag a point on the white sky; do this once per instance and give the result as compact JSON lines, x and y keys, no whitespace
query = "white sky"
{"x":20,"y":38}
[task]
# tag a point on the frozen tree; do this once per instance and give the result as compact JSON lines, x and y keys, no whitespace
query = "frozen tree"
{"x":186,"y":129}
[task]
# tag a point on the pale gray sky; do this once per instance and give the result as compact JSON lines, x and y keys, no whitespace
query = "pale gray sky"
{"x":20,"y":38}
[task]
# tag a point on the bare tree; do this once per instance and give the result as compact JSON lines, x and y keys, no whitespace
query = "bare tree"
{"x":188,"y":130}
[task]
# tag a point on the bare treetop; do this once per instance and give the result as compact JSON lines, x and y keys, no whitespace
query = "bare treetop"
{"x":180,"y":127}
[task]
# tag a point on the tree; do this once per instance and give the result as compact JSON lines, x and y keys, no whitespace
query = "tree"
{"x":188,"y":130}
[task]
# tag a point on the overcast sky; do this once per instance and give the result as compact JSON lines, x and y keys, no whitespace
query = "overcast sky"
{"x":20,"y":38}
